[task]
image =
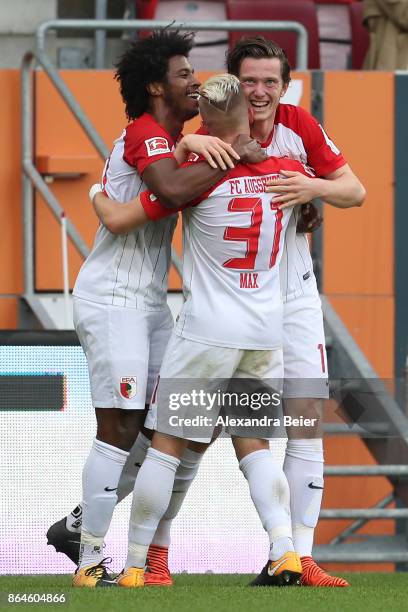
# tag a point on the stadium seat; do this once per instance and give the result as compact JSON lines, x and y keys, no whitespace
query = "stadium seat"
{"x":210,"y":46}
{"x":303,"y":11}
{"x":334,"y":35}
{"x":360,"y":39}
{"x":146,"y":9}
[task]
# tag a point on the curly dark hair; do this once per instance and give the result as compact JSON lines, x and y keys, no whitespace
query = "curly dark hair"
{"x":257,"y":47}
{"x":147,"y":61}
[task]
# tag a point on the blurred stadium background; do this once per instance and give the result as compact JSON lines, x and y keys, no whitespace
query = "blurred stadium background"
{"x":48,"y":163}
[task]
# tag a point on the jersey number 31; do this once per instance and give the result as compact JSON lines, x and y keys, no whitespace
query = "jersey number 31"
{"x":250,"y":234}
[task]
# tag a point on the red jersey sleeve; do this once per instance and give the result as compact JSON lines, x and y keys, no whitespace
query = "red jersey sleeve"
{"x":145,"y":143}
{"x":154,"y":209}
{"x":322,"y":154}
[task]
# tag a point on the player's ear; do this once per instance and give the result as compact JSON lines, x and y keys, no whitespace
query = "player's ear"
{"x":155,"y":89}
{"x":284,"y":89}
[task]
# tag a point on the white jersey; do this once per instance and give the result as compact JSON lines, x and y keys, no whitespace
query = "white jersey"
{"x":232,"y":244}
{"x":131,"y":270}
{"x":298,"y":135}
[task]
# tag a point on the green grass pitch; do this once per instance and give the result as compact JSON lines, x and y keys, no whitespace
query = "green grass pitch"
{"x":205,"y":593}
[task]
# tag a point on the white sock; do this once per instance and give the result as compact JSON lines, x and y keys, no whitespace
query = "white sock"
{"x":73,"y":521}
{"x":151,"y":497}
{"x":90,"y":550}
{"x":100,"y":478}
{"x":303,"y":468}
{"x":186,"y":472}
{"x":131,"y":468}
{"x":270,"y":494}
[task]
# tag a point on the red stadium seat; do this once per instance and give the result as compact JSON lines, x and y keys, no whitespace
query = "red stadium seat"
{"x":146,"y":9}
{"x":360,"y":39}
{"x":303,"y":11}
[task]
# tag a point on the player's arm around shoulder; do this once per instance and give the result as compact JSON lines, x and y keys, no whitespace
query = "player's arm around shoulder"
{"x":177,"y":186}
{"x":121,"y":218}
{"x":216,"y":152}
{"x":342,"y":188}
{"x":118,"y":218}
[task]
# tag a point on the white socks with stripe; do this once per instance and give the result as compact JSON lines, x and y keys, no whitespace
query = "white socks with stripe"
{"x":100,"y":478}
{"x":186,"y":472}
{"x":270,"y":493}
{"x":151,"y":497}
{"x":104,"y":457}
{"x":303,"y":469}
{"x":132,"y":466}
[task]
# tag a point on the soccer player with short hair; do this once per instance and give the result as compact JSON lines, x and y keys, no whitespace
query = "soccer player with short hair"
{"x":226,"y":329}
{"x":120,"y":296}
{"x":286,"y":130}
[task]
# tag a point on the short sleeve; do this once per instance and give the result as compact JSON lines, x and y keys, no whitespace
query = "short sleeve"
{"x":146,"y":142}
{"x":322,"y":154}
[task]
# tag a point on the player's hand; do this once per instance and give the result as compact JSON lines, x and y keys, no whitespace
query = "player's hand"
{"x":309,"y":219}
{"x":249,"y":150}
{"x":295,"y":189}
{"x":219,"y":154}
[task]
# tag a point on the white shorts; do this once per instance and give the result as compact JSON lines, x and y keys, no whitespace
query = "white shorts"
{"x":204,"y":367}
{"x":304,"y":349}
{"x":124,"y":348}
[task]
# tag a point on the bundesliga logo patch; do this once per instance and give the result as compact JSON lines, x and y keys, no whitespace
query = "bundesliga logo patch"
{"x":157,"y":146}
{"x":128,"y":386}
{"x":192,"y":157}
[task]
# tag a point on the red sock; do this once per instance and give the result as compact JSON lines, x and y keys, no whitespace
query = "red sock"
{"x":157,"y":571}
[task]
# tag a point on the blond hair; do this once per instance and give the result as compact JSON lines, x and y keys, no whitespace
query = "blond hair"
{"x":220,"y":90}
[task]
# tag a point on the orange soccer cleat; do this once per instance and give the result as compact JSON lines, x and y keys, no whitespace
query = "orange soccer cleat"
{"x":285,"y":571}
{"x":131,"y":578}
{"x":157,"y":569}
{"x":315,"y":576}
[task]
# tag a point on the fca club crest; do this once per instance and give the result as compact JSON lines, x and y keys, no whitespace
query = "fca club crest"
{"x":128,"y":386}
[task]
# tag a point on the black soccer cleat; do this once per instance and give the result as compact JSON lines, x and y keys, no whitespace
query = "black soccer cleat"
{"x":286,"y":571}
{"x":64,"y":540}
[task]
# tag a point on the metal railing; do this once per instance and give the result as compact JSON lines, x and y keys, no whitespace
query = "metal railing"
{"x":31,"y":177}
{"x":359,"y":523}
{"x":144,"y":24}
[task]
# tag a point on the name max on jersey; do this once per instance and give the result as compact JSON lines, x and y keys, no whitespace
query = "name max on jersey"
{"x":256,"y":184}
{"x":227,"y":421}
{"x":248,"y":280}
